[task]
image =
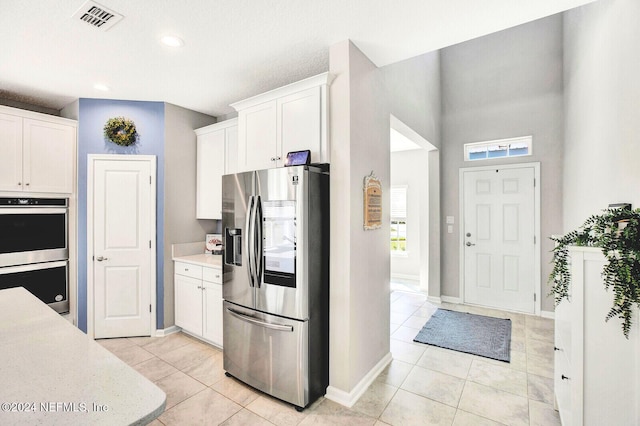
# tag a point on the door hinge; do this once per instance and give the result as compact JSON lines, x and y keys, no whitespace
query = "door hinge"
{"x":149,"y":243}
{"x":149,"y":308}
{"x":93,"y":258}
{"x":149,"y":180}
{"x":534,"y":239}
{"x":534,"y":182}
{"x":534,"y":297}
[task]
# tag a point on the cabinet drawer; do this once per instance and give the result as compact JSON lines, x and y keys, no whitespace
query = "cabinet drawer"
{"x":562,"y":387}
{"x":189,"y":270}
{"x":212,"y":275}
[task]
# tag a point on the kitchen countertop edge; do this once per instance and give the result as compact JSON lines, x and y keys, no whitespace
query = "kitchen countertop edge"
{"x":203,"y":259}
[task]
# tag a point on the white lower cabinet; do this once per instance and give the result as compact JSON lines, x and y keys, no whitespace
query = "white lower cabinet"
{"x":597,"y":370}
{"x":198,"y":301}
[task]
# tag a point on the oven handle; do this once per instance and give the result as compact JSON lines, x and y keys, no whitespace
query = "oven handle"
{"x":32,"y":267}
{"x":33,"y":210}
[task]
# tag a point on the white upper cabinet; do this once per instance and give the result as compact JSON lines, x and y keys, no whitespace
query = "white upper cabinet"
{"x":291,"y":118}
{"x":38,"y":152}
{"x":11,"y":158}
{"x":257,"y":137}
{"x":216,"y":155}
{"x":49,"y":156}
{"x":231,"y":149}
{"x":300,"y":119}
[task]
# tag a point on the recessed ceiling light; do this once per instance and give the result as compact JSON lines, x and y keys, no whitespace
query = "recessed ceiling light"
{"x":101,"y":87}
{"x":172,"y":41}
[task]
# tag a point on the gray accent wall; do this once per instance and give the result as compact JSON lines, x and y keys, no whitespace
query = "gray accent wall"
{"x":180,"y":223}
{"x":602,"y":108}
{"x":414,"y":94}
{"x":413,"y":90}
{"x":499,"y":86}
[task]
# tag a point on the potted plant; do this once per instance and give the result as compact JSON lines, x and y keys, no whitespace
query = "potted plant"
{"x":617,"y":232}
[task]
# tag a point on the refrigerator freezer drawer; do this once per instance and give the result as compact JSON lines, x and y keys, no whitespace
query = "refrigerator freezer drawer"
{"x":267,"y":352}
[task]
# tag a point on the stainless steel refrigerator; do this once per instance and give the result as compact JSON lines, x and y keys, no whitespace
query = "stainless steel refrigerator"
{"x":275,"y":226}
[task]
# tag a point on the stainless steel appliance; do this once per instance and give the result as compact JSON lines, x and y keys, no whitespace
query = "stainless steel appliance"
{"x":34,"y":250}
{"x":275,"y":226}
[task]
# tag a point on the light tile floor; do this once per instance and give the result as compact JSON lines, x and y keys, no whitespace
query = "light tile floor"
{"x":423,"y":385}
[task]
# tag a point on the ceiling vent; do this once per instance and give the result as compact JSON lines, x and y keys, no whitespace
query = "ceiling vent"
{"x":97,"y":15}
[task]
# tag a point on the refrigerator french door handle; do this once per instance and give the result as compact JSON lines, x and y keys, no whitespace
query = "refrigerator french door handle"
{"x":252,"y":320}
{"x":259,"y":258}
{"x":249,"y":240}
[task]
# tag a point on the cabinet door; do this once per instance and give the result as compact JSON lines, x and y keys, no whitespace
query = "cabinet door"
{"x":212,"y":313}
{"x":299,"y":121}
{"x":231,"y":151}
{"x":11,"y":148}
{"x":209,"y":171}
{"x":257,"y":137}
{"x":49,"y":156}
{"x":188,"y":303}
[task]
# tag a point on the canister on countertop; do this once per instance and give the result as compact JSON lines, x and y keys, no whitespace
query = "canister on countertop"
{"x":213,"y":243}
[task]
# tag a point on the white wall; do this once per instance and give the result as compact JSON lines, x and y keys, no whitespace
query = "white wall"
{"x":602,"y":108}
{"x":410,"y":168}
{"x":359,"y":313}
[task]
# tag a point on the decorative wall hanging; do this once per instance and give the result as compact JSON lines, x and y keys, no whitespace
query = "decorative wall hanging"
{"x":121,"y":131}
{"x":372,"y":202}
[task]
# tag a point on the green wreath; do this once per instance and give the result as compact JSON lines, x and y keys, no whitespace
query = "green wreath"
{"x":121,"y":131}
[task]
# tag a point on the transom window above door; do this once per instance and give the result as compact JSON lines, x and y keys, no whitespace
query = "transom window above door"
{"x":512,"y":147}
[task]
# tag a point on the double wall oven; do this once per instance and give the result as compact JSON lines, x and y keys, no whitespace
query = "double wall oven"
{"x":34,"y":250}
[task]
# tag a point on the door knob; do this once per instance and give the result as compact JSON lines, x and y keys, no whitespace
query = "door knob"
{"x":100,"y":258}
{"x":470,"y":244}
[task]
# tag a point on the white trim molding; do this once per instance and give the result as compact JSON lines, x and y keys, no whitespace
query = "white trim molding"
{"x":162,"y":332}
{"x":548,"y":314}
{"x":450,"y":299}
{"x":348,"y":399}
{"x":434,"y":299}
{"x":405,"y":276}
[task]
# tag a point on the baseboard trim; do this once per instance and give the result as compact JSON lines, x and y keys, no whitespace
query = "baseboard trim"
{"x":167,"y":331}
{"x":406,"y":277}
{"x":434,"y":299}
{"x":449,"y":299}
{"x":548,"y":314}
{"x":348,"y":399}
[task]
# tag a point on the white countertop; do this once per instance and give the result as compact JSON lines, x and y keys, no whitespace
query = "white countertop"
{"x":206,"y":260}
{"x":48,"y":364}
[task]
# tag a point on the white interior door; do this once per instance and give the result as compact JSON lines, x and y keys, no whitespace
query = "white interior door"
{"x":499,"y":238}
{"x":123,"y":231}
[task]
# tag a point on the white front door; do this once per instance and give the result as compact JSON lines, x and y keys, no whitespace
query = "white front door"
{"x":122,"y":227}
{"x":499,"y":238}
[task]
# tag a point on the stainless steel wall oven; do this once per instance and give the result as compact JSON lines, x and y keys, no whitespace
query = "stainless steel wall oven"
{"x":34,"y":250}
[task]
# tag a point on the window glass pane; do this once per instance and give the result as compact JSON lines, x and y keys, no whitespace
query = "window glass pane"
{"x":516,"y":149}
{"x":478,"y":153}
{"x":496,"y":151}
{"x":402,"y":236}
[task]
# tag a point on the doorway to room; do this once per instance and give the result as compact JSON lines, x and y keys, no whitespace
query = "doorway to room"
{"x":414,"y":211}
{"x":121,"y":219}
{"x":500,"y":211}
